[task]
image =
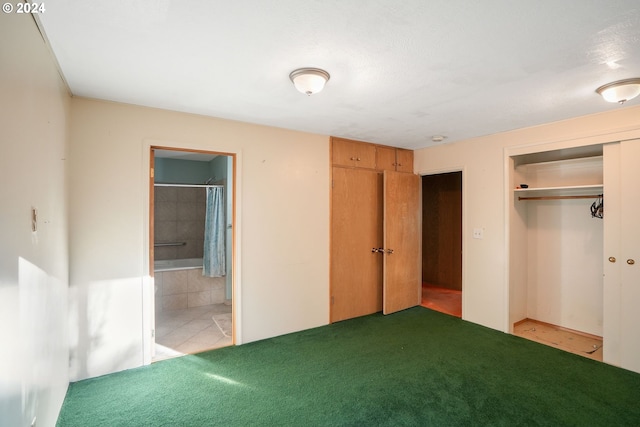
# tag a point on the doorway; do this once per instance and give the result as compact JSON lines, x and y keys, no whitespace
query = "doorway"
{"x":191,"y":250}
{"x":442,"y":242}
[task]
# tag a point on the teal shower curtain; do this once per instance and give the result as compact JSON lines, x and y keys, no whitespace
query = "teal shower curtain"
{"x":214,"y":248}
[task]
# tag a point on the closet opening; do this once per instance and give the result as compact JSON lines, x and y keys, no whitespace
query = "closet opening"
{"x":442,"y":242}
{"x":191,"y":250}
{"x":556,"y":248}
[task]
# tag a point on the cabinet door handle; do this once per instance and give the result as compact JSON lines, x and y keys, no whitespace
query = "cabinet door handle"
{"x":612,"y":259}
{"x":630,"y":261}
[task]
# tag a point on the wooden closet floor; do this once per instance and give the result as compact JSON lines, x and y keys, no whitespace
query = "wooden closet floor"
{"x":561,"y":338}
{"x":444,"y":300}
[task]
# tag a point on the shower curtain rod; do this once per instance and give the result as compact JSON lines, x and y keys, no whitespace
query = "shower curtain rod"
{"x":189,"y":185}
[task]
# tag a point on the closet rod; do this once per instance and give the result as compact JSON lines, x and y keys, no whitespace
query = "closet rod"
{"x":560,"y":197}
{"x":188,"y":185}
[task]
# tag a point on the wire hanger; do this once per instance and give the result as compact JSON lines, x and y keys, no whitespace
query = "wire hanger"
{"x":597,"y":208}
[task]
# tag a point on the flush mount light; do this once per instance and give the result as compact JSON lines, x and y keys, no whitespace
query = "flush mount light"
{"x":620,"y":91}
{"x":309,"y":80}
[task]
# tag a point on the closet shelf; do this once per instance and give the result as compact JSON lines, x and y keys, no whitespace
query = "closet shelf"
{"x":568,"y":192}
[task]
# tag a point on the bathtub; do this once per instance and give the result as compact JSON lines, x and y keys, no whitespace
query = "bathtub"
{"x":177,"y":264}
{"x":179,"y":284}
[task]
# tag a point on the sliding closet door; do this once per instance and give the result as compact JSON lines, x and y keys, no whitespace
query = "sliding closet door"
{"x":402,"y":242}
{"x":622,"y":255}
{"x":630,"y":254}
{"x":611,"y":251}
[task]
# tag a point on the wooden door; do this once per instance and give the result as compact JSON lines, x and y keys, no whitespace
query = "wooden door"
{"x":402,"y":241}
{"x":356,"y":228}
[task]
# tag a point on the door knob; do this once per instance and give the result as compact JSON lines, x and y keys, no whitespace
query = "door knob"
{"x":612,"y":259}
{"x":630,"y":262}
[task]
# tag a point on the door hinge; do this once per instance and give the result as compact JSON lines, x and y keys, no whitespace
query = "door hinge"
{"x":153,"y":333}
{"x":333,"y":300}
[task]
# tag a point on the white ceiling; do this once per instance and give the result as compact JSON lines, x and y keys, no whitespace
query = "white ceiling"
{"x":401,"y":71}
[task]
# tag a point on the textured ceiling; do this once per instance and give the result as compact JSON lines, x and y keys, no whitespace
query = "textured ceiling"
{"x":401,"y":71}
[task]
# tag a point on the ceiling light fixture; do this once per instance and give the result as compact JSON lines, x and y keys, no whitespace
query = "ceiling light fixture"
{"x":620,"y":91}
{"x":309,"y":80}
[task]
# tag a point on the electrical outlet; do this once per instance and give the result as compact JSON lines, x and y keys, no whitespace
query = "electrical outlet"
{"x":478,"y":233}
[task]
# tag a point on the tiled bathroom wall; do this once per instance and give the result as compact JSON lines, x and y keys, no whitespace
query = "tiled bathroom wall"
{"x":187,"y":288}
{"x":179,"y":214}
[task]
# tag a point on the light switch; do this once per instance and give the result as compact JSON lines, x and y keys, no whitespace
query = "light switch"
{"x":478,"y":233}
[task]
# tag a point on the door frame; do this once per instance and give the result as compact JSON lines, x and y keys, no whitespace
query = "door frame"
{"x":461,"y":169}
{"x":148,"y":284}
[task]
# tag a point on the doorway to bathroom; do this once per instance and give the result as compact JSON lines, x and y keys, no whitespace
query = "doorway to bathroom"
{"x":191,"y":250}
{"x":442,"y":242}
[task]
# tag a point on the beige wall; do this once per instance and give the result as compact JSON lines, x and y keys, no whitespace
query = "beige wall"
{"x":282,"y":270}
{"x":34,"y":110}
{"x":485,"y":180}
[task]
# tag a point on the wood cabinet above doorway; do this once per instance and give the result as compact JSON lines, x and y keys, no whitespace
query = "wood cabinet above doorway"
{"x":346,"y":152}
{"x":359,"y":154}
{"x":394,"y":159}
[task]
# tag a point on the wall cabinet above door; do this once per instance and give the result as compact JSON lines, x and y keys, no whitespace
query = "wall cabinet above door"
{"x":359,"y":154}
{"x":394,"y":159}
{"x":346,"y":152}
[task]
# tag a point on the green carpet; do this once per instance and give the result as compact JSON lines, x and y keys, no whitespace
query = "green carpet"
{"x":413,"y":368}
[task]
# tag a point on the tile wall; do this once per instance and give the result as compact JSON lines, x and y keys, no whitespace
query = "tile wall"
{"x":181,"y":289}
{"x":179,"y":214}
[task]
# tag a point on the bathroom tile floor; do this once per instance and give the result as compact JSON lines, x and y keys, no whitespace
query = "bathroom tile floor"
{"x":192,"y":330}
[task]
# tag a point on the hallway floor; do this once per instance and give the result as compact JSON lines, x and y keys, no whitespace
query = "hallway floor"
{"x":444,"y":300}
{"x":192,"y":330}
